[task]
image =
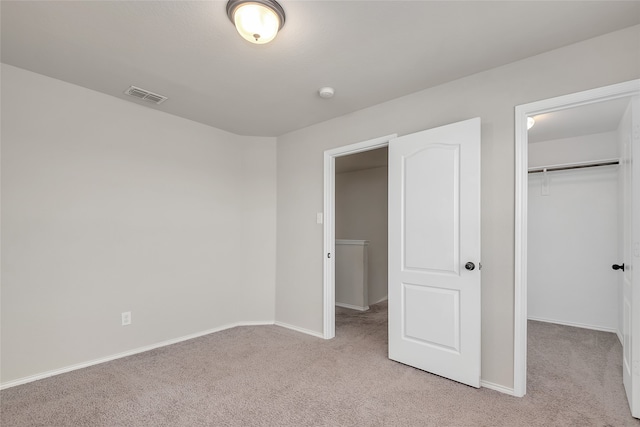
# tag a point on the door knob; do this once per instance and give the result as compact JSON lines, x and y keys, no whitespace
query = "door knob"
{"x":470,"y":266}
{"x":618,"y":267}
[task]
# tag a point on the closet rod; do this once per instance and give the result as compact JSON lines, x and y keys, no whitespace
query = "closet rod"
{"x":576,"y":166}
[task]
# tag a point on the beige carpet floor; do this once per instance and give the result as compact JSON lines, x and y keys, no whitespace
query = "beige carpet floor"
{"x":270,"y":376}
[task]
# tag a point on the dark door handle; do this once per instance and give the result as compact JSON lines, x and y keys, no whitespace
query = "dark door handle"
{"x":470,"y":266}
{"x":618,"y":267}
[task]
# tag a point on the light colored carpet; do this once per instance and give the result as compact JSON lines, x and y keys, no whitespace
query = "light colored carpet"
{"x":270,"y":376}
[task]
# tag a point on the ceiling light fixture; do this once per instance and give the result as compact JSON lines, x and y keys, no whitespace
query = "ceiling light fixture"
{"x":530,"y":122}
{"x":257,"y":21}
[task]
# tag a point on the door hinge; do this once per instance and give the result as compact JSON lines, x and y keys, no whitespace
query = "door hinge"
{"x":329,"y":255}
{"x":479,"y":266}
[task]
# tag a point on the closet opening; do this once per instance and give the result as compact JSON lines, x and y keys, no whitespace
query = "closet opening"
{"x":577,"y":222}
{"x":574,"y":217}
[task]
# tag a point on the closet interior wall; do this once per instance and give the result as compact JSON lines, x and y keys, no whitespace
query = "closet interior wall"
{"x":574,"y":233}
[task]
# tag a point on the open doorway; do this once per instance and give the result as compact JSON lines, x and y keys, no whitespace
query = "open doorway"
{"x":330,"y":157}
{"x":361,"y":224}
{"x":587,"y":159}
{"x":574,"y":221}
{"x":575,"y":233}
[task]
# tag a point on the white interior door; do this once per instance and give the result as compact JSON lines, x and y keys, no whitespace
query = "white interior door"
{"x":434,"y":251}
{"x":630,"y":177}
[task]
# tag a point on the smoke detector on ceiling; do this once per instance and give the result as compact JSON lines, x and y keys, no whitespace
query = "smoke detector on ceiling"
{"x":145,"y":95}
{"x":326,"y":92}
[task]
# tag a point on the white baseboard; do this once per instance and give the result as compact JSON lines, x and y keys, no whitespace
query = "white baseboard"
{"x":574,"y":324}
{"x":384,"y":298}
{"x":352,"y":307}
{"x":75,"y":367}
{"x":498,"y":387}
{"x":298,"y":329}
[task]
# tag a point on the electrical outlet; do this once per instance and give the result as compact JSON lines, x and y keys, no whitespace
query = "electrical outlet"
{"x":126,"y":318}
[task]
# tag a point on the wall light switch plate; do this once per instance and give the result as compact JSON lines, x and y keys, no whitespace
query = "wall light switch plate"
{"x":319,"y":218}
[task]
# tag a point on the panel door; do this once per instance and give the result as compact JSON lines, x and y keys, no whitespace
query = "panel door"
{"x":630,"y":179}
{"x":434,"y":251}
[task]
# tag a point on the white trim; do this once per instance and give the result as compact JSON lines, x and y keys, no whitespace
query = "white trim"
{"x":384,"y":298}
{"x":497,"y":387}
{"x":299,"y":329}
{"x":138,"y":350}
{"x":520,"y":256}
{"x":521,"y":187}
{"x":328,"y":286}
{"x":361,"y":147}
{"x":352,"y":307}
{"x":574,"y":324}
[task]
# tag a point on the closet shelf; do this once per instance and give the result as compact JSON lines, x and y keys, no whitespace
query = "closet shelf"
{"x":578,"y":165}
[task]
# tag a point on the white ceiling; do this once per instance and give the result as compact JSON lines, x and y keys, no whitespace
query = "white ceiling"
{"x":587,"y":119}
{"x":369,"y":51}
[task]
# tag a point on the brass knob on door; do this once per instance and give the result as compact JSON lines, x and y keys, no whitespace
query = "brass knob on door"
{"x":470,"y":266}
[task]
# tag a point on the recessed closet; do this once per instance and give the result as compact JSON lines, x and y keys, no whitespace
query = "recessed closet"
{"x":574,"y":216}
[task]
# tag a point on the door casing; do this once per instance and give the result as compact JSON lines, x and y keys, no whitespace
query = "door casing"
{"x":329,"y":295}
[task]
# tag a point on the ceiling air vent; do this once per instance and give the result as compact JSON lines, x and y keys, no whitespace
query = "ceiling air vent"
{"x":136,"y":92}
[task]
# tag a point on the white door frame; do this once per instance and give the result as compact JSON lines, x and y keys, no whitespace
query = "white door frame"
{"x":521,"y":197}
{"x":329,"y":295}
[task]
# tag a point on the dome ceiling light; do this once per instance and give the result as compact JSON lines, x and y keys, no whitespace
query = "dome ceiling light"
{"x":257,"y":21}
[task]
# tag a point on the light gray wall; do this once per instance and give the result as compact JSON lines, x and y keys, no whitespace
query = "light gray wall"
{"x":491,"y":95}
{"x":109,"y":206}
{"x":361,"y":213}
